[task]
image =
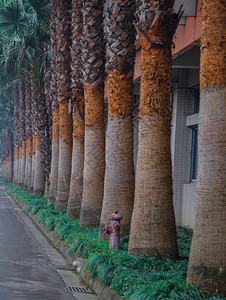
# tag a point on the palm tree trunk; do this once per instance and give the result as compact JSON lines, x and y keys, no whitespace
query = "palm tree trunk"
{"x":39,"y":177}
{"x":15,"y":133}
{"x":10,"y":156}
{"x":28,"y":129}
{"x":207,"y":256}
{"x":23,"y":161}
{"x":153,"y":229}
{"x":119,"y":173}
{"x":32,"y":162}
{"x":55,"y":107}
{"x":94,"y":146}
{"x":19,"y":166}
{"x":64,"y":165}
{"x":22,"y":150}
{"x":76,"y":185}
{"x":77,"y":98}
{"x":15,"y":163}
{"x":55,"y":155}
{"x":29,"y":163}
{"x":3,"y":153}
{"x":64,"y":94}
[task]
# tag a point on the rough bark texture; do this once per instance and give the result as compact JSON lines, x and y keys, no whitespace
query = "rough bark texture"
{"x":21,"y":129}
{"x":55,"y":107}
{"x":77,"y":98}
{"x":15,"y":133}
{"x":23,"y":161}
{"x":55,"y":156}
{"x":94,"y":163}
{"x":119,"y":173}
{"x":28,"y":131}
{"x":29,"y":163}
{"x":64,"y":95}
{"x":76,"y":184}
{"x":41,"y":129}
{"x":15,"y":162}
{"x":7,"y":155}
{"x":207,"y":256}
{"x":33,"y":162}
{"x":39,"y":177}
{"x":64,"y":166}
{"x":93,"y":73}
{"x":153,"y":223}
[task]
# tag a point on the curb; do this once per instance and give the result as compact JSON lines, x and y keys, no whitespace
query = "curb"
{"x":102,"y":290}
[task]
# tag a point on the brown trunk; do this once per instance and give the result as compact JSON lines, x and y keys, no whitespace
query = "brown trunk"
{"x":23,"y":161}
{"x":94,"y":146}
{"x":29,"y":163}
{"x":8,"y":172}
{"x":15,"y":165}
{"x":55,"y":108}
{"x":119,"y":173}
{"x":77,"y":99}
{"x":39,"y":176}
{"x":28,"y":131}
{"x":55,"y":156}
{"x":64,"y":94}
{"x":207,"y":260}
{"x":153,"y":230}
{"x":19,"y":165}
{"x":153,"y":223}
{"x":33,"y":162}
{"x":94,"y":163}
{"x":64,"y":167}
{"x":25,"y":174}
{"x":76,"y":184}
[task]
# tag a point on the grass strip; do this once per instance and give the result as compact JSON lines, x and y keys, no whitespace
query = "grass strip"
{"x":135,"y":278}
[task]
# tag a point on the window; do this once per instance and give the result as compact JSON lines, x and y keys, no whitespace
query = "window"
{"x":196,"y":101}
{"x":194,"y":155}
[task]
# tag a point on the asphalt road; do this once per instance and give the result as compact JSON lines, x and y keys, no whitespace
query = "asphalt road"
{"x":30,"y":268}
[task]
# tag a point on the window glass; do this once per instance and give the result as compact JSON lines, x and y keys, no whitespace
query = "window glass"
{"x":194,"y":154}
{"x":196,"y":101}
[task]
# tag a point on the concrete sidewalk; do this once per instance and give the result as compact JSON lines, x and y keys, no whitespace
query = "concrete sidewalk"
{"x":30,"y":268}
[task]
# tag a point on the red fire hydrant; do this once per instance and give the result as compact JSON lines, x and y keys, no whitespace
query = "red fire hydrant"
{"x":114,"y":230}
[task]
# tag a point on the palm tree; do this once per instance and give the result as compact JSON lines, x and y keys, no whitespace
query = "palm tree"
{"x":64,"y":95}
{"x":119,"y":173}
{"x":9,"y":155}
{"x":153,"y":223}
{"x":55,"y":106}
{"x":24,"y":34}
{"x":22,"y":132}
{"x":15,"y":134}
{"x":28,"y":129}
{"x":76,"y":184}
{"x":93,"y":74}
{"x":6,"y":155}
{"x":207,"y":255}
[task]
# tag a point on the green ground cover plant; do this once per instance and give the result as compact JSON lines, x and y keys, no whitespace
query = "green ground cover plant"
{"x":134,"y":278}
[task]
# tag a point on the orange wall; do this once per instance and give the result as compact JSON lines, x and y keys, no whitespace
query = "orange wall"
{"x":186,"y":37}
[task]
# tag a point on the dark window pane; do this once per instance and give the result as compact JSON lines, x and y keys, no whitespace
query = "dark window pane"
{"x":194,"y":154}
{"x":196,"y":101}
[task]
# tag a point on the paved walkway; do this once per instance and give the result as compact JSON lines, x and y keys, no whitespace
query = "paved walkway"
{"x":30,"y":268}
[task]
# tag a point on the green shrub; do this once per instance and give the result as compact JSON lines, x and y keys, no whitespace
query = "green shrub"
{"x":135,"y":278}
